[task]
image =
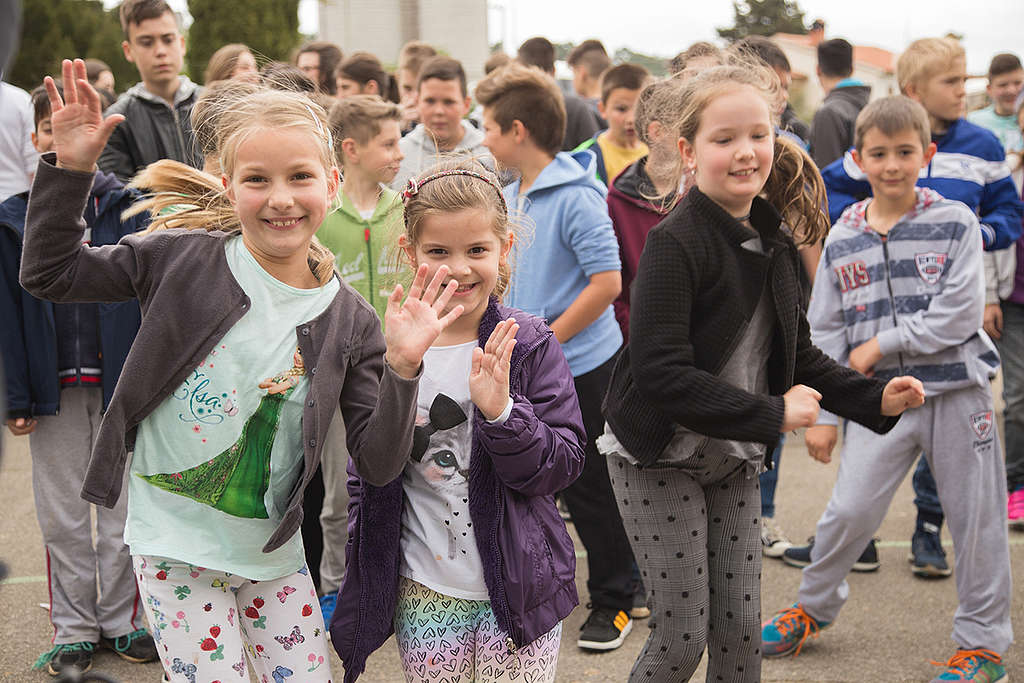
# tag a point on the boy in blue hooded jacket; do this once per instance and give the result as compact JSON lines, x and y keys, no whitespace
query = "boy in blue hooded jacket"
{"x":62,"y":362}
{"x":569,"y":275}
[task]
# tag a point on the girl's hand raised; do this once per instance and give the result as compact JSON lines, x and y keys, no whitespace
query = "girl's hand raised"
{"x":488,"y":378}
{"x":411,"y":328}
{"x":79,"y":130}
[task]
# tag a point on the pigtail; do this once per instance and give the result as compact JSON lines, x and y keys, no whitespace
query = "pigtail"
{"x":179,"y":196}
{"x":795,"y":188}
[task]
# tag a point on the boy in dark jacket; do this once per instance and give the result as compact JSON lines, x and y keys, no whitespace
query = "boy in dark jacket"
{"x":157,"y":111}
{"x":832,"y":127}
{"x":65,"y":358}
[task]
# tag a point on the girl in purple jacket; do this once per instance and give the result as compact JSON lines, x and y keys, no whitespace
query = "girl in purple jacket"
{"x":464,"y":555}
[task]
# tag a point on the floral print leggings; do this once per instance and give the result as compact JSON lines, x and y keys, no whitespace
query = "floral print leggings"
{"x":205,"y":622}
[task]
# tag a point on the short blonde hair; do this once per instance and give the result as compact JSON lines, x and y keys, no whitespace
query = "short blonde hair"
{"x":924,"y":58}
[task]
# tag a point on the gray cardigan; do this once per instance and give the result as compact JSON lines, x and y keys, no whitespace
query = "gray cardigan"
{"x":189,"y":300}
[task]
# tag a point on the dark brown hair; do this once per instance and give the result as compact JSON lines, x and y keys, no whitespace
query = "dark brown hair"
{"x":93,"y":69}
{"x":1003,"y":63}
{"x":41,"y":103}
{"x":530,"y":96}
{"x":538,"y":52}
{"x":138,"y":11}
{"x":766,"y":50}
{"x":363,"y":67}
{"x":835,"y":58}
{"x":444,"y":69}
{"x":330,"y":57}
{"x":496,"y":61}
{"x":628,"y":76}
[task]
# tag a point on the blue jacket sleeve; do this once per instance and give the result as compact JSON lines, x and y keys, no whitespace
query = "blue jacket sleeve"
{"x":12,"y":339}
{"x":1000,"y":213}
{"x":538,"y":450}
{"x":845,"y":184}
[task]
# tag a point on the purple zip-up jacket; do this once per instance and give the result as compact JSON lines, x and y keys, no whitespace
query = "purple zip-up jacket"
{"x":515,"y":469}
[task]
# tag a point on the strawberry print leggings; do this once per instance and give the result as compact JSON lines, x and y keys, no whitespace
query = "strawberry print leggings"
{"x":205,"y":622}
{"x":442,"y":639}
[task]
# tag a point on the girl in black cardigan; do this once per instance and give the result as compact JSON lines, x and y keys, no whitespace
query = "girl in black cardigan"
{"x":720,"y":363}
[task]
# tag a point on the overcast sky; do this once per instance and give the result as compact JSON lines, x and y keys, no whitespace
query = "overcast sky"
{"x":664,"y":27}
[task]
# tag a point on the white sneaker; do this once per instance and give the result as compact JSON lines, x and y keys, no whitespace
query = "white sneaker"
{"x":773,"y":541}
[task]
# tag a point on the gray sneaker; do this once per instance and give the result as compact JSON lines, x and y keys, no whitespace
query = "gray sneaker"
{"x":774,"y":541}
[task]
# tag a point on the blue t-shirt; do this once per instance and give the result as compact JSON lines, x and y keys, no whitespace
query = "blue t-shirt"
{"x":216,"y":461}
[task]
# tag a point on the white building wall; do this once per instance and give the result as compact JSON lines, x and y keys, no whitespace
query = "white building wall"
{"x":456,"y":27}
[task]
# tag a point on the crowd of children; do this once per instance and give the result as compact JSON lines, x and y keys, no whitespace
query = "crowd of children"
{"x":323,"y":347}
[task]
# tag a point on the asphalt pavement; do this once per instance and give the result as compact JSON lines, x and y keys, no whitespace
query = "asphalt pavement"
{"x":892,"y":626}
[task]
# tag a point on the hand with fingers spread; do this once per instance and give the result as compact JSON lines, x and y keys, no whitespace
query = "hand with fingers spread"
{"x":488,"y":378}
{"x":412,"y":326}
{"x":79,"y":130}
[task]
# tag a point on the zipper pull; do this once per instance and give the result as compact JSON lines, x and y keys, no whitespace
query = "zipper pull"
{"x":366,"y":234}
{"x":510,"y":645}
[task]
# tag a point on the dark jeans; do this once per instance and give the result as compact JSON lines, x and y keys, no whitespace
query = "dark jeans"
{"x":926,"y":493}
{"x":591,"y":502}
{"x":1011,"y":351}
{"x":312,"y":533}
{"x":770,"y":479}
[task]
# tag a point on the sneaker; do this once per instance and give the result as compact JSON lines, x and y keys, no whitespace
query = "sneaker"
{"x":605,"y":629}
{"x":639,"y":610}
{"x":926,"y":553}
{"x":982,"y":666}
{"x":137,"y":646}
{"x":773,"y":541}
{"x":66,"y":656}
{"x":800,"y":556}
{"x":1015,"y":508}
{"x":563,"y":510}
{"x":786,"y":632}
{"x":327,"y":603}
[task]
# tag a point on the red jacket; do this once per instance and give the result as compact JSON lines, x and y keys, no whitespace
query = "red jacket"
{"x":633,"y":215}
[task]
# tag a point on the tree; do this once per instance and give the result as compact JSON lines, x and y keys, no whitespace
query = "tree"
{"x":269,"y":27}
{"x":656,"y":65}
{"x":53,"y":30}
{"x":763,"y":18}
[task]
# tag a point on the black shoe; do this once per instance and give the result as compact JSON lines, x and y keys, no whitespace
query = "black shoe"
{"x":605,"y":629}
{"x":926,"y":553}
{"x":66,"y":657}
{"x":137,"y":646}
{"x":800,"y":556}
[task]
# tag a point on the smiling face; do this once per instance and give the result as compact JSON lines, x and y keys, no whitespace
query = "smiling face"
{"x":464,"y":241}
{"x":441,"y":106}
{"x":1004,"y":89}
{"x":892,"y":162}
{"x":281,"y":191}
{"x":620,"y":111}
{"x":157,"y":49}
{"x":731,"y":154}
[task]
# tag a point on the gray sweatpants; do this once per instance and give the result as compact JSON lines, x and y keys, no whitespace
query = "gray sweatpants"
{"x":696,"y":535}
{"x":334,"y":514}
{"x":60,"y":448}
{"x":957,"y":432}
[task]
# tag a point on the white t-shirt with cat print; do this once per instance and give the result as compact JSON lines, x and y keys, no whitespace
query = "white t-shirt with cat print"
{"x":438,"y":546}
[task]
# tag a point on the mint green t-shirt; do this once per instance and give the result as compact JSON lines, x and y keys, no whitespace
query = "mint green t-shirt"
{"x":215,"y":463}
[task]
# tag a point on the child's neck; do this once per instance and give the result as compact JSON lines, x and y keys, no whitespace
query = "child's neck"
{"x":938,"y":126}
{"x":293,"y":271}
{"x":882,"y":214}
{"x":531,"y":162}
{"x":620,"y":142}
{"x":664,"y":183}
{"x":362,"y":189}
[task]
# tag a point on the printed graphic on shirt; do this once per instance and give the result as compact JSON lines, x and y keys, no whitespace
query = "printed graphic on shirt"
{"x":203,"y":404}
{"x":440,"y":454}
{"x":236,"y":480}
{"x":930,"y":266}
{"x":852,"y":275}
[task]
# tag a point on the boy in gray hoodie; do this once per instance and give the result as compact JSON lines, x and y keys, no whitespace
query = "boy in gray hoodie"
{"x":900,"y":290}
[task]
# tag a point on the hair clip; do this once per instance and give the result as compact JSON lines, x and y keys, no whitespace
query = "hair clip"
{"x":411,"y":189}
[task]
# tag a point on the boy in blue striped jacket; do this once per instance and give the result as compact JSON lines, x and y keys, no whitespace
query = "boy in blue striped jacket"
{"x":900,"y":290}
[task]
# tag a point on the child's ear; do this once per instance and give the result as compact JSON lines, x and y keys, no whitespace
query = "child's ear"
{"x":229,"y":191}
{"x":654,"y":129}
{"x":686,"y":151}
{"x":333,"y":181}
{"x":506,"y":248}
{"x":600,"y":109}
{"x":928,"y":154}
{"x":370,"y":88}
{"x":407,"y":248}
{"x":126,"y":47}
{"x":350,"y":150}
{"x":856,"y":158}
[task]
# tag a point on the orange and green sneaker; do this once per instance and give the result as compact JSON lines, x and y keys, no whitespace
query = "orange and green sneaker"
{"x":978,"y":666}
{"x":786,"y":632}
